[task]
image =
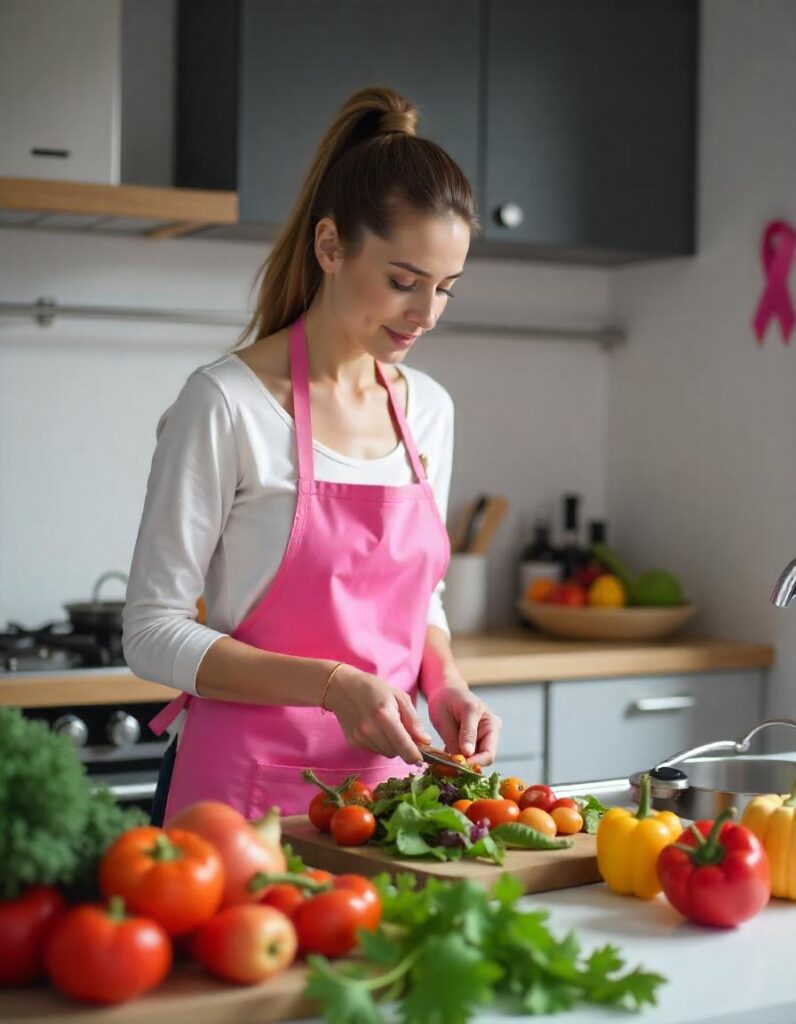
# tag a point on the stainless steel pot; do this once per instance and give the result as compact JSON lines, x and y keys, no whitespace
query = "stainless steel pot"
{"x":96,"y":616}
{"x":701,"y":787}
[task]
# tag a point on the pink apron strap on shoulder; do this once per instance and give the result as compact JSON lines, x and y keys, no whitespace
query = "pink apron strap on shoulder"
{"x":403,"y":426}
{"x":299,"y":373}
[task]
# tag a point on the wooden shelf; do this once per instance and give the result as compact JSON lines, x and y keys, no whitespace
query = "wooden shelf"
{"x":123,"y":209}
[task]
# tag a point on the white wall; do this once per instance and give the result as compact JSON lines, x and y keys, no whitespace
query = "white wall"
{"x":79,"y":401}
{"x":701,"y":449}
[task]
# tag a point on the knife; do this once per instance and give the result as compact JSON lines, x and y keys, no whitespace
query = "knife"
{"x":433,"y":756}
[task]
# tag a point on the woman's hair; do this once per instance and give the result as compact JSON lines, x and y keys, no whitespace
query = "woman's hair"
{"x":369,"y":170}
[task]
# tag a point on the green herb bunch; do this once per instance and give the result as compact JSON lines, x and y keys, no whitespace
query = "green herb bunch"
{"x":448,"y":949}
{"x":53,"y":827}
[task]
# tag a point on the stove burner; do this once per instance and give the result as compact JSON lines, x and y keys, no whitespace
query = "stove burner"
{"x":56,"y":647}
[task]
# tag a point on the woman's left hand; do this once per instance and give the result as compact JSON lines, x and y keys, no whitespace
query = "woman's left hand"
{"x":464,"y":722}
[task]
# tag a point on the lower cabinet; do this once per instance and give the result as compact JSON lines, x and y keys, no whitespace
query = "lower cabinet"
{"x":610,"y":728}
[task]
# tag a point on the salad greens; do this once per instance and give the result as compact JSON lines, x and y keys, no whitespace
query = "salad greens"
{"x":450,"y":948}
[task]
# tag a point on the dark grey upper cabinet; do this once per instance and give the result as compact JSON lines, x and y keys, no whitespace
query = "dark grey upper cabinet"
{"x":298,"y":61}
{"x":574,"y":119}
{"x":590,"y":127}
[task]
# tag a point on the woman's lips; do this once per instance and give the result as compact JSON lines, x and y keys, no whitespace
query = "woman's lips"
{"x":404,"y":340}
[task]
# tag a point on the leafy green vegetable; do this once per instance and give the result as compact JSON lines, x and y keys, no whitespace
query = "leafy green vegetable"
{"x":54,"y":828}
{"x":512,"y":833}
{"x":592,"y":810}
{"x":446,"y":950}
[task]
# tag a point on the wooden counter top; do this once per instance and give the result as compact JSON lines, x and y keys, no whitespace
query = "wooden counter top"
{"x":504,"y":656}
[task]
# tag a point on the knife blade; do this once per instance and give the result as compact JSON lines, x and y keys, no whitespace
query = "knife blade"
{"x":433,"y":756}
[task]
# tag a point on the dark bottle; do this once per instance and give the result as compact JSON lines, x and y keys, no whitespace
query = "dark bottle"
{"x":539,"y":558}
{"x":572,"y":555}
{"x":590,"y":568}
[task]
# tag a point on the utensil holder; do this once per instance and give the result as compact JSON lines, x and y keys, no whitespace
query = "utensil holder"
{"x":465,"y":595}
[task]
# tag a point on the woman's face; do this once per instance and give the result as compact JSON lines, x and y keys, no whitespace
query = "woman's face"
{"x":394,"y":291}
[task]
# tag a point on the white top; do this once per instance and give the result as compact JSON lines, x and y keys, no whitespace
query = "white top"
{"x":219,"y":508}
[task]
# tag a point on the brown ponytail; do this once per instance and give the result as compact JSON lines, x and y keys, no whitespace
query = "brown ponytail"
{"x":369,"y":168}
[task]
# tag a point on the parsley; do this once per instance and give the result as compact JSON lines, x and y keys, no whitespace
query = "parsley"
{"x":449,"y":948}
{"x":592,"y":810}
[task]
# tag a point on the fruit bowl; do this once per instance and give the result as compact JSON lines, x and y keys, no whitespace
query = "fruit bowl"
{"x":575,"y":623}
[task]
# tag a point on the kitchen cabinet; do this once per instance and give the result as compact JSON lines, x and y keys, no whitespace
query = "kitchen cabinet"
{"x":590,"y":127}
{"x":264,"y":78}
{"x":60,"y":89}
{"x":610,"y":728}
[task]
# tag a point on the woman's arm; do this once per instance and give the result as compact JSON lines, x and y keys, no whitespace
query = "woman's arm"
{"x":463,"y":721}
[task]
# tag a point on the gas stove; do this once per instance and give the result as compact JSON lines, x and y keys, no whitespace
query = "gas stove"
{"x":55,"y":647}
{"x":110,"y":738}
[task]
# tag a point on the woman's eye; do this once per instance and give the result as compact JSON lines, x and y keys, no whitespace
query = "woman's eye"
{"x":410,"y":288}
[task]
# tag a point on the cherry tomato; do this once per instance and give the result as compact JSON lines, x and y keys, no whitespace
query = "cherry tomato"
{"x":538,"y":796}
{"x":102,"y":956}
{"x":25,"y":923}
{"x":352,"y":825}
{"x":565,"y":801}
{"x":246,"y":943}
{"x":497,"y":812}
{"x":535,"y":817}
{"x":461,"y":805}
{"x":512,"y":788}
{"x":286,"y":897}
{"x":323,"y":808}
{"x":444,"y":771}
{"x":568,"y":821}
{"x":328,"y":923}
{"x":173,"y":876}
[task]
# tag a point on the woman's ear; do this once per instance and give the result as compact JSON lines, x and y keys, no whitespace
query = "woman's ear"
{"x":328,"y":250}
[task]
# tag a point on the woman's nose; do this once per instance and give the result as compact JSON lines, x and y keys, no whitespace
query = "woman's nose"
{"x":422,"y":314}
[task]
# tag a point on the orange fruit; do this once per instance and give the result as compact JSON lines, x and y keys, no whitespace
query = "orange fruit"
{"x":540,"y":589}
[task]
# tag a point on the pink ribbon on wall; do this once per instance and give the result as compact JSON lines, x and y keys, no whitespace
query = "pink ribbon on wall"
{"x":777,"y":249}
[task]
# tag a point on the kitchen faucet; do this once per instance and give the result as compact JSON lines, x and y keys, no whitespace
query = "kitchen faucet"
{"x":785,"y":589}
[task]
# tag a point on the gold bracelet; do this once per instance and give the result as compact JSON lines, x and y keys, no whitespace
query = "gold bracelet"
{"x":339,"y":664}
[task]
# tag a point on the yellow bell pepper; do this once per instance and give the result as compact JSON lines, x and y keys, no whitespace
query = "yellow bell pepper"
{"x":773,"y":820}
{"x":628,"y":845}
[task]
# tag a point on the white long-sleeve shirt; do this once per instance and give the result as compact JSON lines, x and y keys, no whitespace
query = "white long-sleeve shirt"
{"x":220,"y":502}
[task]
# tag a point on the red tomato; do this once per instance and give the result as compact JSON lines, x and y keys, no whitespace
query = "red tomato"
{"x":24,"y":925}
{"x":538,"y":796}
{"x":566,"y":801}
{"x":497,"y":812}
{"x":323,"y":807}
{"x":352,"y":825}
{"x":328,"y":923}
{"x":246,"y":944}
{"x":174,"y":877}
{"x":567,"y":594}
{"x":286,"y":897}
{"x":102,"y":956}
{"x":246,"y":848}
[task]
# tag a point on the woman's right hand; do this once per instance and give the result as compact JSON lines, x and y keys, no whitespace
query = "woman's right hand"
{"x":375,"y":716}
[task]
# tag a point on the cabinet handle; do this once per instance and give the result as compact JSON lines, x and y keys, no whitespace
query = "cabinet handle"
{"x":651,"y":704}
{"x":509,"y":215}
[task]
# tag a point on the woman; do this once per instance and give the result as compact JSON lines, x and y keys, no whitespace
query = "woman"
{"x":287,"y":486}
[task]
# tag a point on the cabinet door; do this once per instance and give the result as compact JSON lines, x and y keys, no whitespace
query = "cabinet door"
{"x":606,"y":729}
{"x":60,"y":89}
{"x":591,"y":125}
{"x":302,"y":58}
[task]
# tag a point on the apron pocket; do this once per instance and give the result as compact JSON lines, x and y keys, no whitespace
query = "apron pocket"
{"x":280,"y":785}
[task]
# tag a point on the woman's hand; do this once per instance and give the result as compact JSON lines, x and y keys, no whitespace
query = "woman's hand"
{"x":375,"y":716}
{"x":464,"y":722}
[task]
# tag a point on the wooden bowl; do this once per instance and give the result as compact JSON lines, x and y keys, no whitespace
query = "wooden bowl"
{"x":606,"y":623}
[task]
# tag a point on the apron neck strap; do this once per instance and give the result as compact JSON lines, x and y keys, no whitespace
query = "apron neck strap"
{"x":299,"y":374}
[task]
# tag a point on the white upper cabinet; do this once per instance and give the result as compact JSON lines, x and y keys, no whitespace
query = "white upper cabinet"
{"x":60,"y":89}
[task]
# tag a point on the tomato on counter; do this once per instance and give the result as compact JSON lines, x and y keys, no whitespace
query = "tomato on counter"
{"x":25,"y":923}
{"x":496,"y":812}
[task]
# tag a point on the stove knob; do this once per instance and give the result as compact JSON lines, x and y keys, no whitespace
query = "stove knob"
{"x":123,"y":730}
{"x":73,"y":727}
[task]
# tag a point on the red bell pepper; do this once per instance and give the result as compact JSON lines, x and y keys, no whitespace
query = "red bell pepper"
{"x":717,"y":873}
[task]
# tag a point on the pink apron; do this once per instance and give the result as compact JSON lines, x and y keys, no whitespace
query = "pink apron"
{"x":354,"y":586}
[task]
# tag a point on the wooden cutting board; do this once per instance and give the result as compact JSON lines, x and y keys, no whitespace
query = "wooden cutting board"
{"x":537,"y":870}
{"x":188,"y":996}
